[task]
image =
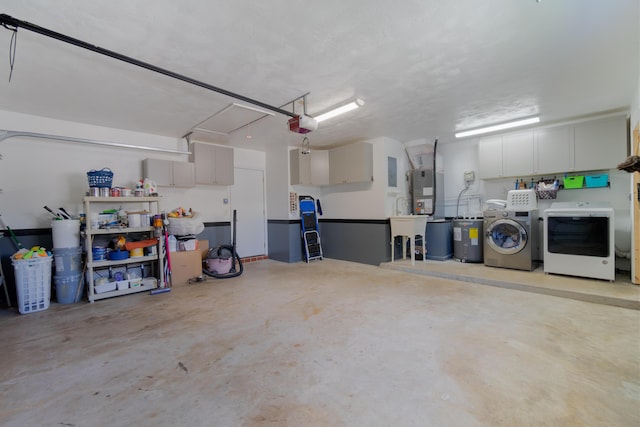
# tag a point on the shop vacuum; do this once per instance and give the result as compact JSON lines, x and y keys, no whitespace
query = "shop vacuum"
{"x":223,"y":261}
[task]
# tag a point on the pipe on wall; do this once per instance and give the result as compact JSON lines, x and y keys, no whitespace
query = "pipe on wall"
{"x":6,"y":134}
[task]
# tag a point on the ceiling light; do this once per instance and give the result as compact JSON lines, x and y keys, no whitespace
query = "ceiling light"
{"x":340,"y":110}
{"x":494,"y":128}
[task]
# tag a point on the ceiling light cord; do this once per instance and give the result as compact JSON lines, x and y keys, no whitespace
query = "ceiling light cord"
{"x":12,"y":47}
{"x":305,"y":146}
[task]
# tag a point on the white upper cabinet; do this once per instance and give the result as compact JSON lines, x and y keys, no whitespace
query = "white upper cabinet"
{"x":600,"y":144}
{"x":517,"y":154}
{"x":213,"y":164}
{"x":490,"y":157}
{"x":553,"y":150}
{"x":594,"y":145}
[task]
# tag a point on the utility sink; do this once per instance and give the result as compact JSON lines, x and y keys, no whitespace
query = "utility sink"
{"x":408,"y":226}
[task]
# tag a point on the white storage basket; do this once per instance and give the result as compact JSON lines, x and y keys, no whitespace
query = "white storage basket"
{"x":33,"y":283}
{"x":522,"y":200}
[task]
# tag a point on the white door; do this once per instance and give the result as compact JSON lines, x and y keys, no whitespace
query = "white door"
{"x":247,"y":198}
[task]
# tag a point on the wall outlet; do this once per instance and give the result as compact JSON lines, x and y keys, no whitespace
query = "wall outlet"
{"x":469,"y":177}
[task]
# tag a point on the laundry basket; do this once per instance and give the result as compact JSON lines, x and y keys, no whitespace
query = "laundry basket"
{"x":522,"y":200}
{"x":33,"y":283}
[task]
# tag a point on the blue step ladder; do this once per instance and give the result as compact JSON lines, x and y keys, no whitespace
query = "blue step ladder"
{"x":309,"y":224}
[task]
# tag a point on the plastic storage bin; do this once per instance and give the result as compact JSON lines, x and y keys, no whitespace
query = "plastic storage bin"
{"x":574,"y":181}
{"x":105,"y":287}
{"x":33,"y":283}
{"x":595,"y":181}
{"x":67,"y":291}
{"x":68,"y":261}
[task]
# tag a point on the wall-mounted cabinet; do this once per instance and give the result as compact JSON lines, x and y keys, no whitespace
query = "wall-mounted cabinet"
{"x":490,"y":158}
{"x":309,"y":169}
{"x":600,"y":144}
{"x":169,"y":173}
{"x":351,"y":163}
{"x":518,"y":154}
{"x":299,"y":167}
{"x":213,"y":164}
{"x":554,"y":150}
{"x":594,"y":145}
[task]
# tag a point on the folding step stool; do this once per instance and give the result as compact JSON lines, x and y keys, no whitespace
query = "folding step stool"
{"x":309,"y":223}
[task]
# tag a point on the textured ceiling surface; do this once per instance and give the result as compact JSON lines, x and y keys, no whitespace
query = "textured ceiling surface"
{"x":425,"y":68}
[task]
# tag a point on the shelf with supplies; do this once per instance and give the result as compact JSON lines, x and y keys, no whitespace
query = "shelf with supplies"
{"x":114,"y":275}
{"x":548,"y":188}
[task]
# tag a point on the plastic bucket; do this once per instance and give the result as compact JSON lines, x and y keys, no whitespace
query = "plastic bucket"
{"x":67,"y":288}
{"x":68,"y":261}
{"x":66,"y":233}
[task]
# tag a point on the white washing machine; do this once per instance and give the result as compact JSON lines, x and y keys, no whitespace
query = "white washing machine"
{"x":511,"y":238}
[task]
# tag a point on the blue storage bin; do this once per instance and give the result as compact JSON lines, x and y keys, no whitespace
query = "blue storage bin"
{"x":595,"y":181}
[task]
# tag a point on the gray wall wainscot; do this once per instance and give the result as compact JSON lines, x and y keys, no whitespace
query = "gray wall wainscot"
{"x":359,"y":240}
{"x":285,"y":241}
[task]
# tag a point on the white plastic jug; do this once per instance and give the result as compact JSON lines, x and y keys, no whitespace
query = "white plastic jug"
{"x":173,"y":244}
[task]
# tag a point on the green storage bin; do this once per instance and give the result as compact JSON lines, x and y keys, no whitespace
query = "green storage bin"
{"x":574,"y":181}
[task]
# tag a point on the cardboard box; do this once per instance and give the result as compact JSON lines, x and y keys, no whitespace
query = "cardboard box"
{"x":186,"y":265}
{"x":203,"y":246}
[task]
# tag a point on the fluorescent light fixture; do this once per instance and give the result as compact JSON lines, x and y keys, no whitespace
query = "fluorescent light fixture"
{"x":340,"y":110}
{"x":494,"y":128}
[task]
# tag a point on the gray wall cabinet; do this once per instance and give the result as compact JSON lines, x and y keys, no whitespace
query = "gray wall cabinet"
{"x":351,"y":163}
{"x":169,"y":173}
{"x":213,"y":164}
{"x":309,"y":169}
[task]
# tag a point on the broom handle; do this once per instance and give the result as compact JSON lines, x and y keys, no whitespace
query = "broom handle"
{"x":11,"y":234}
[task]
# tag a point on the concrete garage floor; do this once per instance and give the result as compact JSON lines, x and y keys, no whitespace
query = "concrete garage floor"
{"x":330,"y":343}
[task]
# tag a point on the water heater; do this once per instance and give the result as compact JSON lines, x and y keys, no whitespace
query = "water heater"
{"x":427,"y":193}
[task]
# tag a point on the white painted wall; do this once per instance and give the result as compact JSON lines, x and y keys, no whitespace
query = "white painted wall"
{"x":277,"y":177}
{"x":396,"y":196}
{"x":460,"y":157}
{"x":37,"y":172}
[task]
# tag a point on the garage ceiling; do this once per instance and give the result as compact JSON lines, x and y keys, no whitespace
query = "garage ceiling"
{"x":424,"y":68}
